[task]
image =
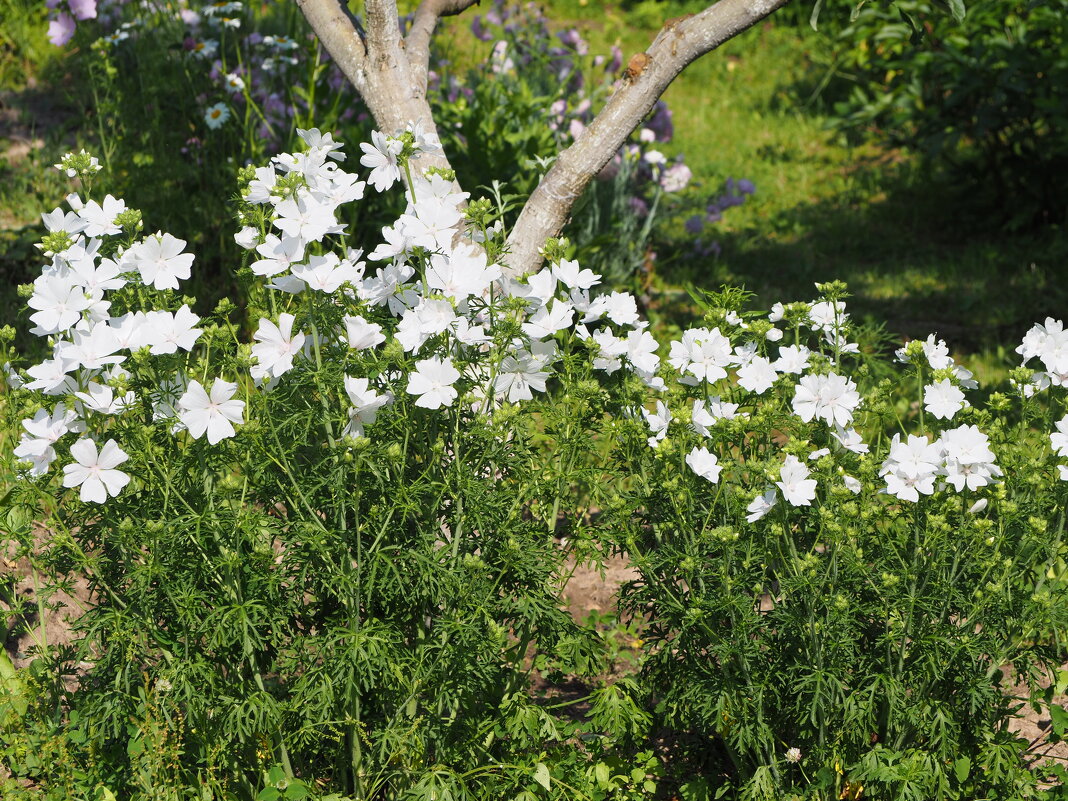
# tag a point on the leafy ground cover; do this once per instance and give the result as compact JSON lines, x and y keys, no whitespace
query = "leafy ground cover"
{"x":823,"y":208}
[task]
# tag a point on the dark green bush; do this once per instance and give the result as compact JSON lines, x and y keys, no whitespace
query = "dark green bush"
{"x":985,"y":98}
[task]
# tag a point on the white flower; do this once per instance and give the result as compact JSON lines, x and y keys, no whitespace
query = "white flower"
{"x":326,"y":273}
{"x":797,"y":488}
{"x":50,"y":376}
{"x":793,"y":755}
{"x":757,"y":376}
{"x":58,"y":220}
{"x":910,"y":467}
{"x":433,"y":225}
{"x":569,"y":273}
{"x":461,"y":274}
{"x":432,"y":381}
{"x":167,"y":332}
{"x":362,"y":334}
{"x":279,"y":255}
{"x":524,"y":371}
{"x":212,"y":413}
{"x":852,"y":484}
{"x":365,"y":404}
{"x":92,"y":348}
{"x":658,"y":422}
{"x":429,"y":318}
{"x":621,"y":308}
{"x":909,"y":488}
{"x":545,"y":323}
{"x":641,"y":351}
{"x":830,"y":397}
{"x":702,"y":353}
{"x":761,"y":505}
{"x":95,"y":472}
{"x":849,"y":438}
{"x":704,"y":463}
{"x":381,"y":157}
{"x":100,"y":220}
{"x":101,"y":398}
{"x":703,"y":417}
{"x":42,"y":432}
{"x":276,"y":346}
{"x":826,"y":316}
{"x":234,"y":83}
{"x":1059,"y":440}
{"x":216,"y":115}
{"x":968,"y":458}
{"x":943,"y":400}
{"x":59,"y":304}
{"x":792,"y":359}
{"x":160,"y":261}
{"x":305,"y":218}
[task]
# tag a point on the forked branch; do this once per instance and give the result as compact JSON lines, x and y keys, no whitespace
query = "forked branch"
{"x":417,"y":43}
{"x":390,"y":73}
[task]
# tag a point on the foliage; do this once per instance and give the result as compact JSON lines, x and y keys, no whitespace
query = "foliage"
{"x":325,"y":561}
{"x":290,"y":607}
{"x":876,"y":619}
{"x":983,"y":97}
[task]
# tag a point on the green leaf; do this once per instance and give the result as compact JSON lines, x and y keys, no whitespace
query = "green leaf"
{"x":541,"y":776}
{"x":815,"y":16}
{"x":1059,"y":718}
{"x":956,"y":8}
{"x":268,"y":794}
{"x":962,"y":767}
{"x":601,"y":774}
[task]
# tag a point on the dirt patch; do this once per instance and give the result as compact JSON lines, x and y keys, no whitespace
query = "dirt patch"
{"x":34,"y":618}
{"x":590,"y":590}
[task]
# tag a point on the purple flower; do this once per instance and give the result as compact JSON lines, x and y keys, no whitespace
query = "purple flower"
{"x":746,"y":187}
{"x":617,"y":60}
{"x":661,"y":123}
{"x":82,"y":9}
{"x":675,"y":178}
{"x":480,"y":32}
{"x":639,"y":206}
{"x":61,"y":29}
{"x":695,"y":224}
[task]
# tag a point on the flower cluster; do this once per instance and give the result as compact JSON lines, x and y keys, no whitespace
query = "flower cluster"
{"x":443,"y":324}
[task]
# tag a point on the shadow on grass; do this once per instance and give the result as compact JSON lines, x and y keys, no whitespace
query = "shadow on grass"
{"x":912,"y":257}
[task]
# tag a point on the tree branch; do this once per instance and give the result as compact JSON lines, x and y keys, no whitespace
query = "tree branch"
{"x":337,"y":30}
{"x":383,"y":30}
{"x":677,"y":44}
{"x":417,"y":42}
